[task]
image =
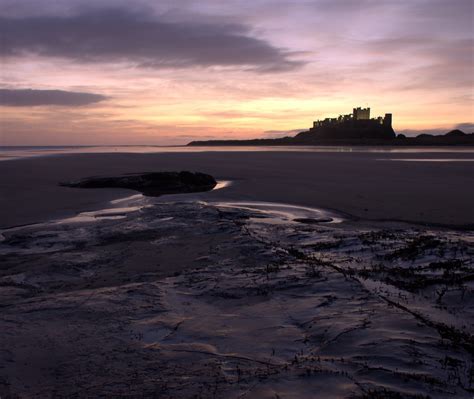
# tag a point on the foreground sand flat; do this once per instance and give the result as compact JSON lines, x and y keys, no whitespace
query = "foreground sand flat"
{"x":195,"y":299}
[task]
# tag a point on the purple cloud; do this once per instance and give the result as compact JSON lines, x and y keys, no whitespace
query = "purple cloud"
{"x":30,"y":97}
{"x":135,"y":37}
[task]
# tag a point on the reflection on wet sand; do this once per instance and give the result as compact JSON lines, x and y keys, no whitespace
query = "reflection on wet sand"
{"x":9,"y":153}
{"x":277,"y":212}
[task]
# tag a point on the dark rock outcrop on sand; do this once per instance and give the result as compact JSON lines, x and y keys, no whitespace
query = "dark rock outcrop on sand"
{"x":152,"y":184}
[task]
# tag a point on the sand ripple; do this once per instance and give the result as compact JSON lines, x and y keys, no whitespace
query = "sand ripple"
{"x":235,"y":300}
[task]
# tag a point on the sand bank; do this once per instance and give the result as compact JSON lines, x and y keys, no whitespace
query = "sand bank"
{"x":358,"y":183}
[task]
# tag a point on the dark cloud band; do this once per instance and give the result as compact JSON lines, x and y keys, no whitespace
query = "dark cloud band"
{"x":121,"y":35}
{"x":30,"y":97}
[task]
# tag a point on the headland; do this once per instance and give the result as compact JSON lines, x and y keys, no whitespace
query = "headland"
{"x":354,"y":129}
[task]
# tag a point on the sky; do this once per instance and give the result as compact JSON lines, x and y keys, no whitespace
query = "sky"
{"x":104,"y":72}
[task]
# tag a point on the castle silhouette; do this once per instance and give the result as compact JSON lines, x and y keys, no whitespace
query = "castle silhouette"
{"x":357,"y":128}
{"x":357,"y":125}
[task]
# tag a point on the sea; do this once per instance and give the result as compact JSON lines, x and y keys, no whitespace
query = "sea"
{"x":19,"y":152}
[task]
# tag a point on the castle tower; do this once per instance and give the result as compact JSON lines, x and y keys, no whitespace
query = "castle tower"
{"x":361,"y":113}
{"x":387,"y":121}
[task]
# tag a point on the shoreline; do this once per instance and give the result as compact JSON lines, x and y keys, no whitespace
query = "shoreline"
{"x":25,"y":152}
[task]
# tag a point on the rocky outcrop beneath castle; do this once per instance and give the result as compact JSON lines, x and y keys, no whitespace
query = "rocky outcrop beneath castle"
{"x":310,"y":138}
{"x":363,"y":129}
{"x":152,"y":184}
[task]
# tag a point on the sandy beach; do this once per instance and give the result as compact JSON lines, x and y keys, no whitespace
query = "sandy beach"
{"x":367,"y":185}
{"x":294,"y":279}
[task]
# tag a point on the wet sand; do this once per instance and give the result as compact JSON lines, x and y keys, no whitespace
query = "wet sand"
{"x":364,"y":185}
{"x":235,"y":300}
{"x":164,"y":297}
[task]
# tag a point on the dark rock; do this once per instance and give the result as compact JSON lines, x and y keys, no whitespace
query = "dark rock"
{"x":152,"y":184}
